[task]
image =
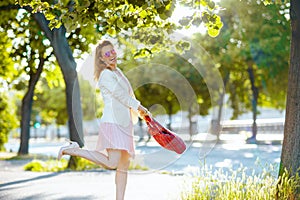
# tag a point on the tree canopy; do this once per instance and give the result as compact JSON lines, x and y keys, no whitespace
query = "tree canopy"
{"x":259,"y":39}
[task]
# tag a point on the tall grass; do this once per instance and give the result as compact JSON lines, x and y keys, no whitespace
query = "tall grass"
{"x":238,"y":185}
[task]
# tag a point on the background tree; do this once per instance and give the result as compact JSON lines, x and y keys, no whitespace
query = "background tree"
{"x":250,"y":50}
{"x":50,"y":100}
{"x":161,"y":88}
{"x":265,"y":54}
{"x":197,"y":83}
{"x":8,"y":73}
{"x":31,"y":56}
{"x":152,"y":88}
{"x":290,"y":156}
{"x":209,"y":89}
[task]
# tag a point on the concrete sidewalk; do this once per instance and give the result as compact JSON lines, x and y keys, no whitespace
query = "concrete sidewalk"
{"x":17,"y":184}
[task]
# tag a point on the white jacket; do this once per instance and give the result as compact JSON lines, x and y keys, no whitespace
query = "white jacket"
{"x":120,"y":104}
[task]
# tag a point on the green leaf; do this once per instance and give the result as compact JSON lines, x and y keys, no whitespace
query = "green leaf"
{"x":57,"y":23}
{"x":196,"y":21}
{"x":142,"y":53}
{"x":212,"y":32}
{"x":49,"y":16}
{"x":120,"y":23}
{"x":185,"y":21}
{"x":211,"y":5}
{"x":143,"y":14}
{"x":112,"y":31}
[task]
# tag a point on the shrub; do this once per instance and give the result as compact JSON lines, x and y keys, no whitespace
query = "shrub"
{"x":46,"y":166}
{"x":55,"y":165}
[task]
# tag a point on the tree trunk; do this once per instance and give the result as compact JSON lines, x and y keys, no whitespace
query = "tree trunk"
{"x":255,"y":94}
{"x":290,"y":155}
{"x":169,"y":125}
{"x":65,"y":59}
{"x":190,"y":114}
{"x":220,"y":110}
{"x":25,"y":120}
{"x":27,"y":108}
{"x":67,"y":64}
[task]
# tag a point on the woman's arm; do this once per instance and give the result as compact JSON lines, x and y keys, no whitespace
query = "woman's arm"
{"x":143,"y":111}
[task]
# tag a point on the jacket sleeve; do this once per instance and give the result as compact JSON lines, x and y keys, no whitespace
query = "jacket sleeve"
{"x":108,"y":83}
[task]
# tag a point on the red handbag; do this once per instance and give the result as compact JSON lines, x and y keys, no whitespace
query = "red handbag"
{"x":166,"y":138}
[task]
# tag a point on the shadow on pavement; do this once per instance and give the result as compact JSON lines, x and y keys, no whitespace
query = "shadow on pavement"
{"x":28,"y":180}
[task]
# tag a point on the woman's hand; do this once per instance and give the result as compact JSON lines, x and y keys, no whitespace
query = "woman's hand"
{"x":143,"y":111}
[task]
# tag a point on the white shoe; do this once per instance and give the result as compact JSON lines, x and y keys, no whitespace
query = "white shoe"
{"x":70,"y":146}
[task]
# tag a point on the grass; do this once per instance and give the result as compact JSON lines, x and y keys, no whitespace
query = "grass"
{"x":43,"y":163}
{"x":237,"y":185}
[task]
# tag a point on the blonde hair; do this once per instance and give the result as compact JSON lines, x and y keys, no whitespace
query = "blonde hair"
{"x":99,"y":65}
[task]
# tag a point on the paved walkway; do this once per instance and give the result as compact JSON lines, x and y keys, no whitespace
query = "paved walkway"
{"x":16,"y":184}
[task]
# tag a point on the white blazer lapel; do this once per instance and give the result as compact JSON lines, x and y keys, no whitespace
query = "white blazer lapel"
{"x":124,"y":81}
{"x":126,"y":84}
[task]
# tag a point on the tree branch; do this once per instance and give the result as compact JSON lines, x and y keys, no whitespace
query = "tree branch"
{"x":9,"y":7}
{"x":43,"y":23}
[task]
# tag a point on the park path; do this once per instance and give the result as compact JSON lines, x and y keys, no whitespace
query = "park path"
{"x":17,"y":184}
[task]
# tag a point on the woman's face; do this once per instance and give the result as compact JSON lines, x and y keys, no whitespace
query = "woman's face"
{"x":109,"y":56}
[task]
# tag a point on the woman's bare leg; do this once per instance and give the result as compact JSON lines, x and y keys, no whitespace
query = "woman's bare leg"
{"x":121,"y":175}
{"x":111,"y":161}
{"x":116,"y":159}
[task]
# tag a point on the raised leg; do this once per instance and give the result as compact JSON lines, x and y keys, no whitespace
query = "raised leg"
{"x":110,"y":161}
{"x":116,"y":159}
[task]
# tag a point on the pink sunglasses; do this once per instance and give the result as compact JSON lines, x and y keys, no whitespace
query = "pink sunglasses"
{"x":109,"y":53}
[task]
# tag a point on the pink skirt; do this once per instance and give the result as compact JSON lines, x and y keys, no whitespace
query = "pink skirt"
{"x":114,"y":136}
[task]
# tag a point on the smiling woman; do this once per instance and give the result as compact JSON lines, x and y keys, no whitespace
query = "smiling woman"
{"x":109,"y":57}
{"x":115,"y":145}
